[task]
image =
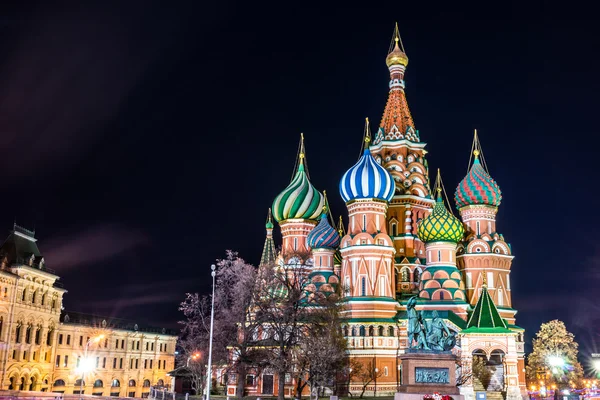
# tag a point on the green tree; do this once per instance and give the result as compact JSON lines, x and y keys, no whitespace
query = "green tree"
{"x":554,"y":356}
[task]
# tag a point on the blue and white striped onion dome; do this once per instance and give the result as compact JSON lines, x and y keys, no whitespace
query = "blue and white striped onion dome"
{"x":300,"y":200}
{"x":367,"y":180}
{"x":323,"y":236}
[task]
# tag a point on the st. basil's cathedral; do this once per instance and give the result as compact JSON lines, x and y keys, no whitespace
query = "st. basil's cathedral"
{"x":401,"y":241}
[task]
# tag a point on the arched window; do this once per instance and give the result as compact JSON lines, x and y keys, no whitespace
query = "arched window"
{"x":362,"y":331}
{"x":380,"y":331}
{"x":364,"y":222}
{"x":385,"y":371}
{"x":24,"y":295}
{"x":353,"y":331}
{"x":146,"y":383}
{"x":78,"y":383}
{"x":1,"y":325}
{"x":391,"y":331}
{"x":33,"y":296}
{"x":59,"y":382}
{"x":38,"y":334}
{"x":43,"y":299}
{"x":115,"y":383}
{"x":18,"y":333}
{"x":12,"y":383}
{"x":371,"y":331}
{"x":363,"y":286}
{"x":416,"y":275}
{"x":131,"y":383}
{"x":345,"y":331}
{"x":98,"y":383}
{"x":28,"y":334}
{"x":394,"y":230}
{"x":22,"y":385}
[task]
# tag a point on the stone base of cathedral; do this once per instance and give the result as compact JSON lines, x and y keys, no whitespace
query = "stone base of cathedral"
{"x":426,"y":373}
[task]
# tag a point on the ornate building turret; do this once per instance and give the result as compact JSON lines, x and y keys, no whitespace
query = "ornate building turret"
{"x":483,"y":249}
{"x":366,"y":249}
{"x":398,"y":147}
{"x":297,"y":209}
{"x":323,"y":241}
{"x":268,"y":255}
{"x":441,"y":281}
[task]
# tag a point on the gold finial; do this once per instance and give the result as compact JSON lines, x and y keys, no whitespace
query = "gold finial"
{"x":484,"y":279}
{"x":325,"y":202}
{"x":301,"y":146}
{"x":341,"y":226}
{"x":367,"y":132}
{"x":476,"y":153}
{"x":425,"y":152}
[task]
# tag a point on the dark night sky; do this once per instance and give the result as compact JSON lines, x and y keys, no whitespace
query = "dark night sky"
{"x":143,"y":139}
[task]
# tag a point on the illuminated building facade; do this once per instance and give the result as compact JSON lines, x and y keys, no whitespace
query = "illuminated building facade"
{"x":402,"y":240}
{"x":42,"y":349}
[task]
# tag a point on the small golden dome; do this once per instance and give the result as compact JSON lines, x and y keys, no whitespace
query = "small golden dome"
{"x":396,"y":57}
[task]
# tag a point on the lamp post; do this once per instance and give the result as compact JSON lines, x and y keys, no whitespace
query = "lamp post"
{"x":212,"y":316}
{"x":192,"y":357}
{"x":399,"y":369}
{"x":86,"y":365}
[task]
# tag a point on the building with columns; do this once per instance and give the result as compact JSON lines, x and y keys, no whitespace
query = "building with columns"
{"x":42,"y":347}
{"x":401,"y":240}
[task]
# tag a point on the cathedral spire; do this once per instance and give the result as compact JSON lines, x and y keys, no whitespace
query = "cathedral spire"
{"x":397,"y":122}
{"x":268,"y":254}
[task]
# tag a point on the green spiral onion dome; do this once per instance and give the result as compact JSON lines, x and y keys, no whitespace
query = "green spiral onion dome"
{"x":440,"y":225}
{"x":300,"y":200}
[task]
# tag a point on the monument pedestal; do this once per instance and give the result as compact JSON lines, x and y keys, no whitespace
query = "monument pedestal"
{"x":427,"y":372}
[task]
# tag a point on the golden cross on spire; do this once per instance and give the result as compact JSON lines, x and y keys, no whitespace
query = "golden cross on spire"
{"x":367,"y":132}
{"x":269,"y":216}
{"x":340,"y":226}
{"x":484,"y":279}
{"x":396,"y":39}
{"x":325,"y":202}
{"x":301,"y":147}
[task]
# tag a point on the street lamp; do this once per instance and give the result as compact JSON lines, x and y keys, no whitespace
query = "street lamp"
{"x":399,"y":368}
{"x":376,"y":371}
{"x":194,"y":357}
{"x":86,"y":365}
{"x":212,"y":317}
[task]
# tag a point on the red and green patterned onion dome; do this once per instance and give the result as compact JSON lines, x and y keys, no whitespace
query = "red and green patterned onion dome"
{"x":477,"y":187}
{"x":300,"y":200}
{"x":440,"y":225}
{"x":323,"y":236}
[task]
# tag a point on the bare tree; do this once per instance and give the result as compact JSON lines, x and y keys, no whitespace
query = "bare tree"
{"x":365,"y":374}
{"x":194,"y":338}
{"x":235,"y":329}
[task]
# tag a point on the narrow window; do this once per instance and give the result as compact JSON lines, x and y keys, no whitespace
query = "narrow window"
{"x":80,"y":341}
{"x":122,"y":343}
{"x":121,"y":363}
{"x":68,"y":339}
{"x":477,"y":227}
{"x":507,"y":281}
{"x":138,"y":345}
{"x":117,"y":344}
{"x":66,"y":361}
{"x":394,"y":230}
{"x":441,"y":295}
{"x":49,"y":337}
{"x":106,"y":343}
{"x":145,"y":363}
{"x":1,"y":324}
{"x":363,"y":286}
{"x":385,"y":371}
{"x":439,"y":255}
{"x":295,"y":243}
{"x":114,"y":363}
{"x":24,"y":294}
{"x":500,"y":298}
{"x":28,"y":334}
{"x":97,"y":362}
{"x":490,"y":279}
{"x":38,"y":335}
{"x":136,"y":363}
{"x":152,"y":346}
{"x":469,"y":280}
{"x":58,"y":360}
{"x":364,"y":222}
{"x":60,"y":338}
{"x":104,"y":362}
{"x":382,"y":286}
{"x":147,"y":343}
{"x":151,"y":361}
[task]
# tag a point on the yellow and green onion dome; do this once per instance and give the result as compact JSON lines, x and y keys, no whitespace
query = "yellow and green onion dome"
{"x":300,"y":200}
{"x":440,"y":225}
{"x":323,"y":236}
{"x":477,"y":187}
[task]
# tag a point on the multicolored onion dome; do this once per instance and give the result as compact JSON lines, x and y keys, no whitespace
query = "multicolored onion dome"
{"x":323,"y":236}
{"x":367,"y":180}
{"x":477,"y":187}
{"x":440,"y":225}
{"x":300,"y":200}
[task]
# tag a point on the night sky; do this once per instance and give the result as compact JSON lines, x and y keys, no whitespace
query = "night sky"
{"x":143,"y":139}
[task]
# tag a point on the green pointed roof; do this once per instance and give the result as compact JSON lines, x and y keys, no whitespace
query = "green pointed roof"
{"x":486,"y":318}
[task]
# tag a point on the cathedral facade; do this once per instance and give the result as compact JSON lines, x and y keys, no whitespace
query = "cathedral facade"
{"x":402,"y":240}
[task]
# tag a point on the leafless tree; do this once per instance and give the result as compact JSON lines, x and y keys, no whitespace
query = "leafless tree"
{"x":365,"y":374}
{"x":235,"y":329}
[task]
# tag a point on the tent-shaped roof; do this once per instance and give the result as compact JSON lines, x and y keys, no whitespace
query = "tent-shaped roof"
{"x":486,"y":318}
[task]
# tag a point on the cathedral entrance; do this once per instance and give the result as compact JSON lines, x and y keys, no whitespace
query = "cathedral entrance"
{"x":267,"y":384}
{"x":488,"y":374}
